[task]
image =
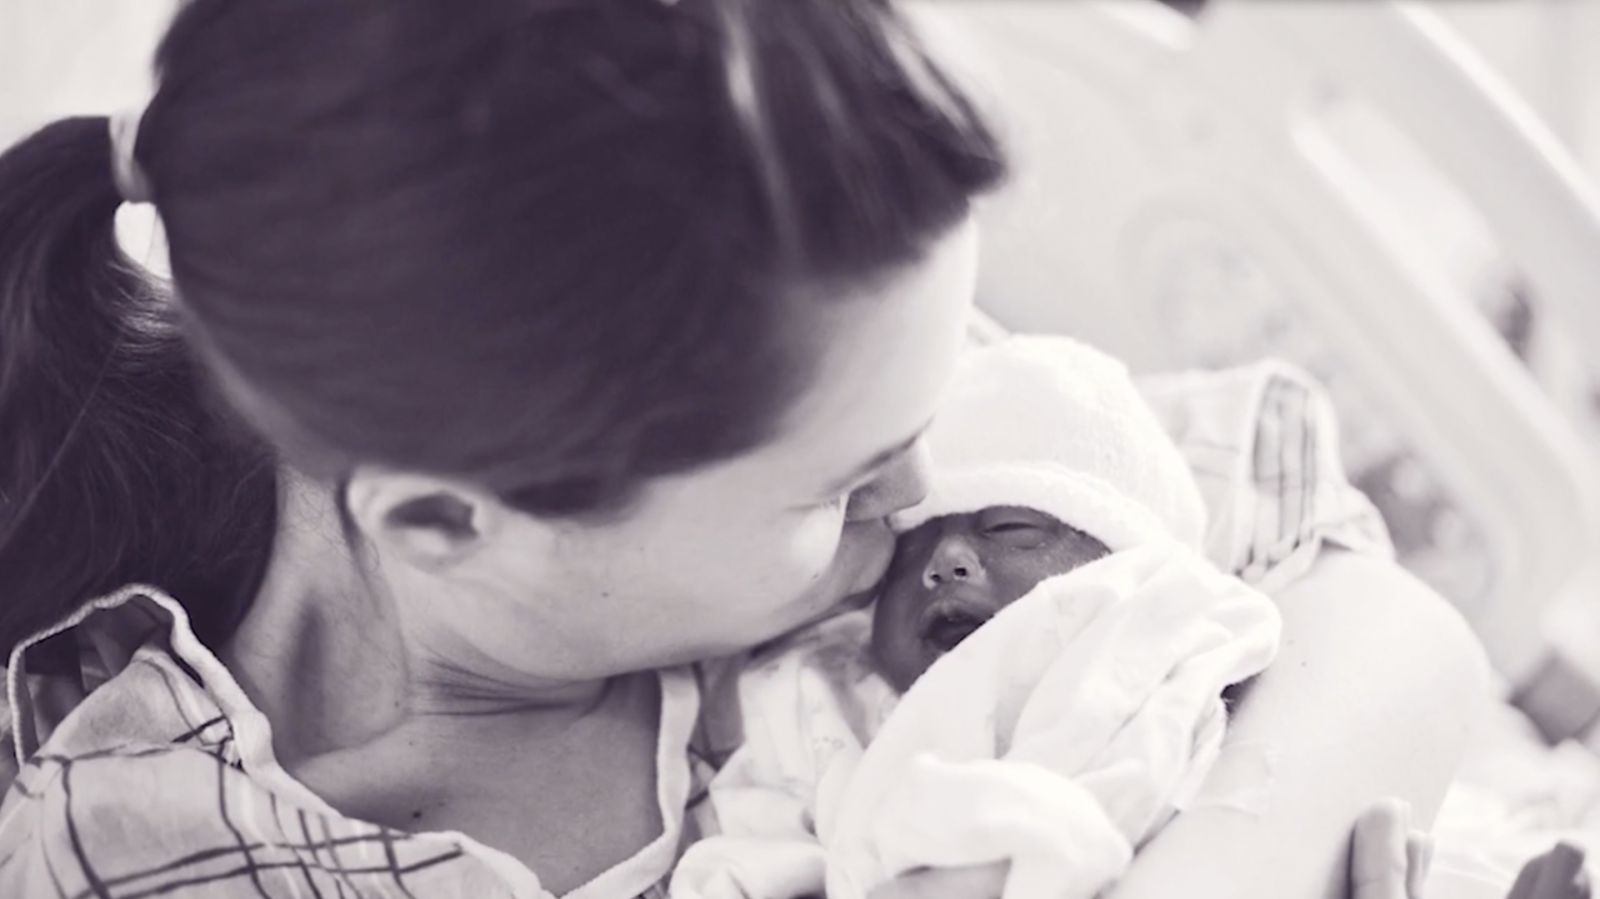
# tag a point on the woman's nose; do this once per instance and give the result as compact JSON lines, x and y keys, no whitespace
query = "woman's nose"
{"x":901,"y":485}
{"x":953,"y":560}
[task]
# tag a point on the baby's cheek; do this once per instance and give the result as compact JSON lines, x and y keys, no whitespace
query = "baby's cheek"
{"x":1016,"y":573}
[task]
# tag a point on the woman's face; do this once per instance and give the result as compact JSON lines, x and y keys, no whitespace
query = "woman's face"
{"x":721,"y":558}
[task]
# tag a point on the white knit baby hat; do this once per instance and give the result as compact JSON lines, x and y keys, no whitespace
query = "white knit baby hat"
{"x":1052,"y":424}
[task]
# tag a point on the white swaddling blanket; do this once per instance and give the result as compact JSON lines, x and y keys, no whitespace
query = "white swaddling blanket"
{"x":1058,"y":737}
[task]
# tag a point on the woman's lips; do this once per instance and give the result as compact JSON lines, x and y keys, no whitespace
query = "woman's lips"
{"x":873,"y":544}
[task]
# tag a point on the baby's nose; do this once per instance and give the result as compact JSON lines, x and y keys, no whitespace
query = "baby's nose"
{"x":952,"y":560}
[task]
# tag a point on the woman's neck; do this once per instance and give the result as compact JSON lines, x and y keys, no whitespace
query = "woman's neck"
{"x":325,"y":654}
{"x":560,"y":775}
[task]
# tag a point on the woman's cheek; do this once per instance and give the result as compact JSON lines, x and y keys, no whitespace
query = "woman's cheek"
{"x":847,"y":557}
{"x":813,"y":543}
{"x":776,"y":565}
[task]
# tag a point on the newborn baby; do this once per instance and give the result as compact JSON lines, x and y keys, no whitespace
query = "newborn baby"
{"x":952,"y":574}
{"x":1039,"y":680}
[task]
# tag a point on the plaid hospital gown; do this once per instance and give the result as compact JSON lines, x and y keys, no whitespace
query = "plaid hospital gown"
{"x":152,"y":774}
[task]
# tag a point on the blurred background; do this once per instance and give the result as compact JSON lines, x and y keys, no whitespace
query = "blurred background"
{"x":1399,"y":197}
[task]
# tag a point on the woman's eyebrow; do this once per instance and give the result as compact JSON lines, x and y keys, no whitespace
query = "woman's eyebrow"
{"x":880,"y":459}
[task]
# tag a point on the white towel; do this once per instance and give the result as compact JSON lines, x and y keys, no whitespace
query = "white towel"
{"x":1058,"y":737}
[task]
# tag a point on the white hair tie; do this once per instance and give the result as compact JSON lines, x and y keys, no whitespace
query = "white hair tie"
{"x":130,"y":178}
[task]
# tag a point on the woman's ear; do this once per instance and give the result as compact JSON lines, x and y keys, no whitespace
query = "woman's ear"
{"x":433,"y":523}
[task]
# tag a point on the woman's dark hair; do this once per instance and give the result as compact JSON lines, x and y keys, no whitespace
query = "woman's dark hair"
{"x":548,"y":247}
{"x":113,"y":468}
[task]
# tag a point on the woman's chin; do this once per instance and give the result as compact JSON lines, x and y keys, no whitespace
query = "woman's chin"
{"x":835,"y":604}
{"x":852,"y":581}
{"x":858,"y":600}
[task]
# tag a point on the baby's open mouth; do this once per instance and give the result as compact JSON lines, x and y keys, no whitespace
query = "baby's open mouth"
{"x":943,"y":628}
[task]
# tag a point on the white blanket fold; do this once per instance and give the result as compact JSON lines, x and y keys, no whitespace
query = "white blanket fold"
{"x":1058,"y":737}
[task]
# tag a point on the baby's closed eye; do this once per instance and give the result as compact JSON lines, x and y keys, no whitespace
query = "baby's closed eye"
{"x":1017,"y":527}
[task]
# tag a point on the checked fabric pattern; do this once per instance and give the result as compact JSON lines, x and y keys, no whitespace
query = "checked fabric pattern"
{"x":148,"y":798}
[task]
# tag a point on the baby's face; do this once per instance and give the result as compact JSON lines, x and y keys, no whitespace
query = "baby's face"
{"x":952,"y":574}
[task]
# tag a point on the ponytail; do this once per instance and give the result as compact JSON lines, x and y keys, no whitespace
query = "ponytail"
{"x":115,"y":467}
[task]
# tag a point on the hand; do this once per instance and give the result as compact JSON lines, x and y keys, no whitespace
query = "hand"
{"x":1387,"y":859}
{"x":974,"y":882}
{"x":1557,"y":874}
